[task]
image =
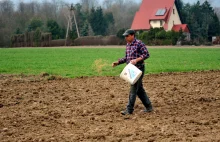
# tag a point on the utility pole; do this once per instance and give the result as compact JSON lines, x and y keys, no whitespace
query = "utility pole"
{"x":67,"y":30}
{"x":72,"y":10}
{"x":69,"y":24}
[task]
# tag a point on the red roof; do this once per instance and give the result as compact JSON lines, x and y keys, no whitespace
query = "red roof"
{"x":183,"y":26}
{"x":147,"y":12}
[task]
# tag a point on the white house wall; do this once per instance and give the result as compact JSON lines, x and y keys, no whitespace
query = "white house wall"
{"x":156,"y":23}
{"x":174,"y":18}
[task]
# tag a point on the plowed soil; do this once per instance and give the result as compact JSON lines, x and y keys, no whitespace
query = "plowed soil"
{"x":47,"y":108}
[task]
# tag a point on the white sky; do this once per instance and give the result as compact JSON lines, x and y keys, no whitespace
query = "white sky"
{"x":214,"y":2}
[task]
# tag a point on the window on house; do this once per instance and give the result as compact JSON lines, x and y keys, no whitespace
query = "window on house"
{"x":160,"y":12}
{"x":173,"y":22}
{"x":173,"y":11}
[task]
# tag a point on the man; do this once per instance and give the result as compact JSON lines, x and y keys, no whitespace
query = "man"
{"x":136,"y":53}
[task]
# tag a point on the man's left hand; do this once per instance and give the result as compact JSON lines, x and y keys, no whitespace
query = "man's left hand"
{"x":134,"y":62}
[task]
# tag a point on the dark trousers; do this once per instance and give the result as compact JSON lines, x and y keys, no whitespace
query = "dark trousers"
{"x":138,"y":90}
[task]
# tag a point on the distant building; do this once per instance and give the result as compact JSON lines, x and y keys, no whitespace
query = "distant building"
{"x":159,"y":13}
{"x":216,"y":40}
{"x":184,"y":28}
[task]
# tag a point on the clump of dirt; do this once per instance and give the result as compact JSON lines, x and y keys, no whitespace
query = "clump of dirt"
{"x":35,"y":108}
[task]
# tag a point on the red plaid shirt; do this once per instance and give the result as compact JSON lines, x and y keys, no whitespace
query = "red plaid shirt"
{"x":135,"y":50}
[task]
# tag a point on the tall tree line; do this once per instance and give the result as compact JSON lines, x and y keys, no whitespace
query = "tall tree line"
{"x":52,"y":16}
{"x":93,"y":18}
{"x":202,"y":20}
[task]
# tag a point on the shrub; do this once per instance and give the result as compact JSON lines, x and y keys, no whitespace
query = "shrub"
{"x":120,"y":33}
{"x":167,"y":42}
{"x":161,"y":34}
{"x":143,"y":35}
{"x":208,"y":43}
{"x":99,"y":40}
{"x":186,"y":43}
{"x":37,"y":38}
{"x":59,"y":42}
{"x":158,"y":36}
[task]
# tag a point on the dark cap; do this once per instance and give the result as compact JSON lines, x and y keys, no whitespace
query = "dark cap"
{"x":128,"y":32}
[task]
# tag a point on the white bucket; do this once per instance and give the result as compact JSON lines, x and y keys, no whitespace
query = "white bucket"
{"x":131,"y":74}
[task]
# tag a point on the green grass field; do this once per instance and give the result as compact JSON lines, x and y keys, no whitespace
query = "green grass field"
{"x":75,"y":62}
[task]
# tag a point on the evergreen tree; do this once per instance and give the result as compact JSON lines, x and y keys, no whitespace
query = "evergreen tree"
{"x":202,"y":21}
{"x":214,"y":27}
{"x":187,"y":14}
{"x":85,"y":29}
{"x":54,"y":28}
{"x":18,"y":31}
{"x":207,"y":14}
{"x":92,"y":18}
{"x":37,"y":37}
{"x":110,"y":22}
{"x":109,"y":18}
{"x":98,"y":22}
{"x":34,"y":24}
{"x":82,"y":21}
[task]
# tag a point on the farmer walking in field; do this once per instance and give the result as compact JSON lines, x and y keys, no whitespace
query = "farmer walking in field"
{"x":136,"y":53}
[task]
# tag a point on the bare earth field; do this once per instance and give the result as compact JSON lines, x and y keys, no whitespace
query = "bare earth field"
{"x":47,"y":108}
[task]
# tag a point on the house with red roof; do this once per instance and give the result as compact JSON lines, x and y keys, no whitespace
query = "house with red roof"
{"x":159,"y":13}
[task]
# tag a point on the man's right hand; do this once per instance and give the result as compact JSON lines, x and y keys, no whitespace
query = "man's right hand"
{"x":115,"y":64}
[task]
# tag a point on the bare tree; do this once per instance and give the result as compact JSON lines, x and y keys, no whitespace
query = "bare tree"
{"x":107,"y":4}
{"x":88,"y":4}
{"x":22,"y":17}
{"x":48,"y":10}
{"x":120,"y":3}
{"x":6,"y":7}
{"x":66,"y":13}
{"x":6,"y":22}
{"x":123,"y":13}
{"x":57,"y":5}
{"x":202,"y":1}
{"x":12,"y":19}
{"x":217,"y":11}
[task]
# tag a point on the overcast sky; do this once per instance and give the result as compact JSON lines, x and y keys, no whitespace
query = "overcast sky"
{"x":214,"y":4}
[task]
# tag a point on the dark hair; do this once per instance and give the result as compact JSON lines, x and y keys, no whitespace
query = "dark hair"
{"x":133,"y":34}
